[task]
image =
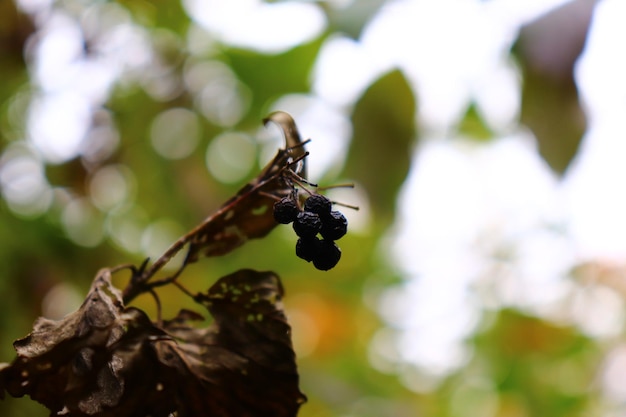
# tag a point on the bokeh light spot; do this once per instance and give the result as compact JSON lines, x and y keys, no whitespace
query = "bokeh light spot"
{"x":219,"y":95}
{"x":158,"y":236}
{"x":230,"y":157}
{"x":613,"y":372}
{"x":23,"y":181}
{"x":100,"y":143}
{"x":328,"y":129}
{"x":269,"y":28}
{"x":125,"y":226}
{"x":111,"y":186}
{"x":57,"y":125}
{"x":474,"y":398}
{"x":305,"y":334}
{"x":83,"y":223}
{"x":175,"y":133}
{"x":60,"y":300}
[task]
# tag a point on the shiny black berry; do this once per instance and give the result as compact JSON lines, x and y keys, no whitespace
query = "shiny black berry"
{"x":318,"y":204}
{"x":286,"y":210}
{"x":334,"y":226}
{"x":327,"y":255}
{"x":307,"y":224}
{"x":307,"y":248}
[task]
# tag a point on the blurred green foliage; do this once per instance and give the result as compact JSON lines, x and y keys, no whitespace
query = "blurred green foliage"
{"x":384,"y":123}
{"x":520,"y":366}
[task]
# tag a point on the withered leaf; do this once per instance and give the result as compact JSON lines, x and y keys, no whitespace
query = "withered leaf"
{"x":245,"y":358}
{"x":248,"y":215}
{"x":109,"y":360}
{"x":86,"y":364}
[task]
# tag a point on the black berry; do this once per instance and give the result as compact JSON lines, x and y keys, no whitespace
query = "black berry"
{"x":335,"y":226}
{"x":307,"y":248}
{"x":307,"y":224}
{"x":327,"y":255}
{"x":318,"y":204}
{"x":286,"y":210}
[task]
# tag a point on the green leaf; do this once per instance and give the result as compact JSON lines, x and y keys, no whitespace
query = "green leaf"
{"x":352,"y":19}
{"x":271,"y":76}
{"x":550,"y":104}
{"x":383,"y":139}
{"x":474,"y":126}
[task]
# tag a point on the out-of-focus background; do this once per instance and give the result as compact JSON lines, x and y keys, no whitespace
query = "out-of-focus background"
{"x":484,"y":274}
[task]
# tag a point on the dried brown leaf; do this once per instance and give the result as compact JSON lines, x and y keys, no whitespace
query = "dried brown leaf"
{"x":248,"y":215}
{"x":245,"y":358}
{"x":109,"y":360}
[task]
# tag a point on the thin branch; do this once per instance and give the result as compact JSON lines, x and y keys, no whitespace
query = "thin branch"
{"x":141,"y":276}
{"x":183,"y":289}
{"x":158,"y":307}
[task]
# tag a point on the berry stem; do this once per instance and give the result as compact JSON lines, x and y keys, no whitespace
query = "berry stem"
{"x":350,"y":206}
{"x":344,"y":185}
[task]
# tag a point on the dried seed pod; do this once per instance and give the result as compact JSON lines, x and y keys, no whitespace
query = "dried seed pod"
{"x":286,"y":210}
{"x":318,"y":204}
{"x":327,"y":255}
{"x":334,"y":226}
{"x":307,"y":224}
{"x":306,"y":248}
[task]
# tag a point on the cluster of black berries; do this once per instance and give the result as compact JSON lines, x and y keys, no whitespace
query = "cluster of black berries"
{"x":317,"y":217}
